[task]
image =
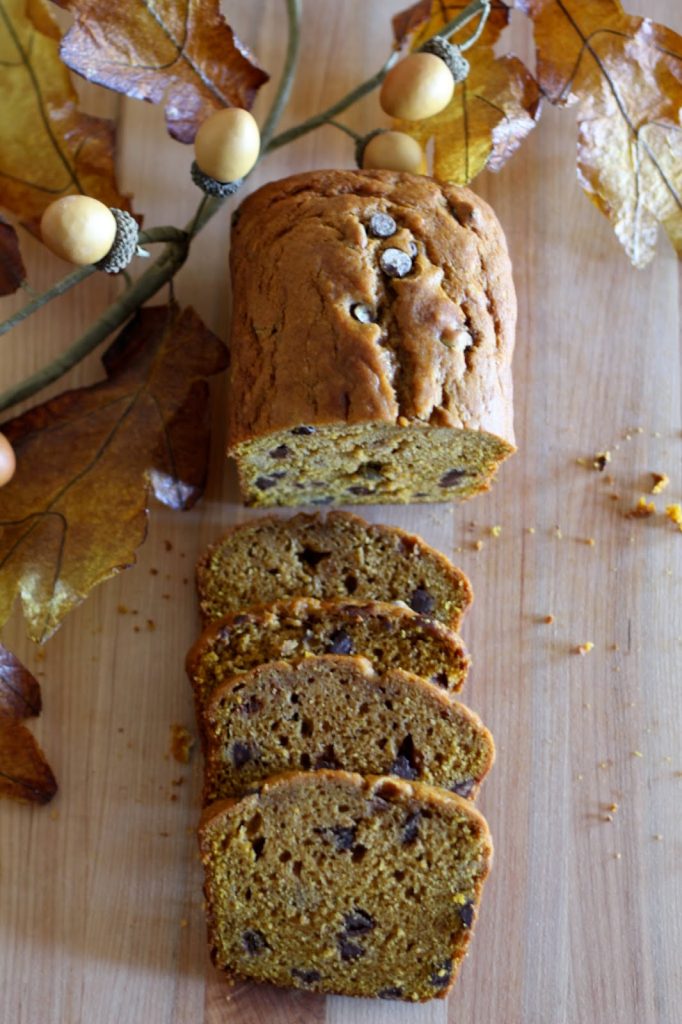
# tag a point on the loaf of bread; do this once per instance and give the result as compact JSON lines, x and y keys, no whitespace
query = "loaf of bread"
{"x":335,"y":882}
{"x":372,"y":335}
{"x":338,"y":712}
{"x":388,"y":635}
{"x":341,"y":556}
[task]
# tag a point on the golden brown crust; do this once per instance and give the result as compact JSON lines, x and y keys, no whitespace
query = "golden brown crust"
{"x":302,"y":257}
{"x":350,"y":542}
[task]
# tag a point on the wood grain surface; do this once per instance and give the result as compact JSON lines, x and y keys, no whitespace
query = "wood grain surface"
{"x":100,"y":893}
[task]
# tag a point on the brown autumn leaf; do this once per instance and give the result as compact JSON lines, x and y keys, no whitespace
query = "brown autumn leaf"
{"x":25,"y":775}
{"x":625,"y":76}
{"x":491,"y":112}
{"x":12,"y":270}
{"x":89,"y":459}
{"x":48,"y":148}
{"x":182,"y":54}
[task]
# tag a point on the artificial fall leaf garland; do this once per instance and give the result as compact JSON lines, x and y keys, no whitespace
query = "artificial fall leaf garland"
{"x":25,"y":775}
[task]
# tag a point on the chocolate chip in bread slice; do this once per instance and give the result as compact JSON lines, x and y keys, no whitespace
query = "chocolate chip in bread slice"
{"x":341,"y":556}
{"x":335,"y":882}
{"x":337,"y":712}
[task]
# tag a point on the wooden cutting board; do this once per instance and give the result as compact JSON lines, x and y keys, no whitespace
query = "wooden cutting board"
{"x":100,"y":893}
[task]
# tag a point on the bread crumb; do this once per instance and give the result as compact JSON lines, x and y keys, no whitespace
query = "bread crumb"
{"x":168,"y":545}
{"x":660,"y":482}
{"x":580,"y":777}
{"x":600,"y":460}
{"x":613,"y":808}
{"x":657,"y":837}
{"x":614,"y":496}
{"x":590,"y":541}
{"x":642,"y":510}
{"x":183,"y":922}
{"x":557,"y":531}
{"x":584,"y":648}
{"x":54,"y":815}
{"x":181,"y":743}
{"x":478,"y":545}
{"x":618,"y":856}
{"x":637,"y":753}
{"x":151,"y":625}
{"x":548,"y":619}
{"x":603,"y":764}
{"x":674,"y":513}
{"x":607,"y":817}
{"x":122,"y":609}
{"x":495,"y":531}
{"x":531,"y":529}
{"x":153,"y":572}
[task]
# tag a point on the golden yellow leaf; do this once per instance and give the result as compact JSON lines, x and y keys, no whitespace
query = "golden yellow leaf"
{"x":25,"y":775}
{"x":177,"y":52}
{"x":89,"y":460}
{"x":492,"y":110}
{"x":48,"y":148}
{"x":625,"y":76}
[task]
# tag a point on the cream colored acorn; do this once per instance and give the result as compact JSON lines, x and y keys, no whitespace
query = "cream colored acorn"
{"x":8,"y":462}
{"x":80,"y":229}
{"x":418,"y":87}
{"x":227,"y":144}
{"x":394,"y":151}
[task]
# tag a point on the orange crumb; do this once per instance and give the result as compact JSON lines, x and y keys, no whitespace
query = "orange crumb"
{"x":590,"y":541}
{"x":642,"y":510}
{"x":674,"y":513}
{"x":548,"y":619}
{"x":181,"y":743}
{"x":122,"y":609}
{"x":584,"y":648}
{"x":660,"y":482}
{"x":613,"y":808}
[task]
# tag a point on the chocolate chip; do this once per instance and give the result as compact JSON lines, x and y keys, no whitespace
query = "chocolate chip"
{"x":254,"y":942}
{"x":452,"y":477}
{"x":405,"y":763}
{"x":312,"y":558}
{"x":395,"y":992}
{"x":441,"y":974}
{"x":343,"y":836}
{"x":306,"y":975}
{"x":466,"y":913}
{"x":441,"y":679}
{"x":327,"y":759}
{"x":395,"y":263}
{"x":463,"y":788}
{"x":340,"y":643}
{"x":410,"y":828}
{"x":358,"y":922}
{"x":382,"y":225}
{"x":422,"y":602}
{"x":264,"y":483}
{"x":242,"y":753}
{"x":280,"y":452}
{"x":361,"y":313}
{"x":359,"y":490}
{"x":302,"y":431}
{"x":250,"y":706}
{"x":349,"y":950}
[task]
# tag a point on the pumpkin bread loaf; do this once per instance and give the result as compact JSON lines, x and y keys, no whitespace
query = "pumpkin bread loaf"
{"x":335,"y":882}
{"x":340,"y":556}
{"x":372,"y":335}
{"x":390,"y":636}
{"x":337,"y":712}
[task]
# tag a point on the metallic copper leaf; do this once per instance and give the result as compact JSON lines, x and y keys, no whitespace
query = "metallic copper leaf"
{"x":624,"y":74}
{"x":491,"y":112}
{"x":12,"y":270}
{"x":24,"y":773}
{"x":177,"y":52}
{"x":88,"y":461}
{"x":48,"y":148}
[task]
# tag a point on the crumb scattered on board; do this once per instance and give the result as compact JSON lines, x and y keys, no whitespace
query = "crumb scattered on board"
{"x":181,"y":744}
{"x":584,"y":648}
